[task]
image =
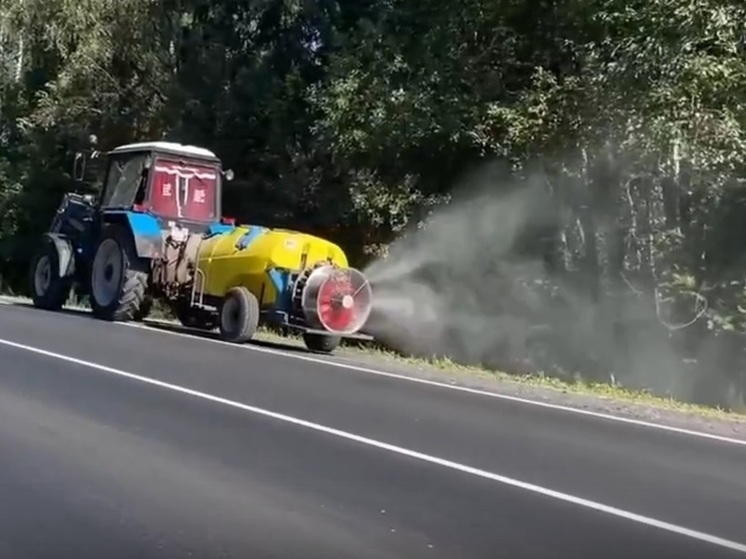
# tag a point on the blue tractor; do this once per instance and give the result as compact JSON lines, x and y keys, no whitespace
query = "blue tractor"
{"x":101,"y":246}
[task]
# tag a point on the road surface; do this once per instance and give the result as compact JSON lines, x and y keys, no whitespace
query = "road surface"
{"x":122,"y":441}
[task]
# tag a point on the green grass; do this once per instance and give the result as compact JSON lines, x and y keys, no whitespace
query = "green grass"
{"x":447,"y":367}
{"x":608,"y":391}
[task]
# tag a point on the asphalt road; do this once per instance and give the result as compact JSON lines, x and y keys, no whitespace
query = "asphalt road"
{"x":120,"y":441}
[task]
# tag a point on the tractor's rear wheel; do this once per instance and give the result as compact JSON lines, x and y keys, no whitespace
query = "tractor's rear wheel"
{"x":119,"y":278}
{"x":49,"y":290}
{"x":321,"y":343}
{"x":239,"y":315}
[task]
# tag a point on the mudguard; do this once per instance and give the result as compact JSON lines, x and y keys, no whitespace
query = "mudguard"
{"x":65,"y":253}
{"x":218,"y":229}
{"x":146,"y":232}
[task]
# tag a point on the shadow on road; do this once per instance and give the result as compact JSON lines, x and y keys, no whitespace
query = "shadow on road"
{"x":170,"y":327}
{"x":67,"y":311}
{"x":213,"y":335}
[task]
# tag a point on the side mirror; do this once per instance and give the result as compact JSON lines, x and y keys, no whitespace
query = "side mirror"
{"x":228,"y":174}
{"x":80,"y":163}
{"x":79,"y":167}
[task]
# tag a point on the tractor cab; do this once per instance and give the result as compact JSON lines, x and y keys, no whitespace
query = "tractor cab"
{"x":127,"y":202}
{"x":173,"y":182}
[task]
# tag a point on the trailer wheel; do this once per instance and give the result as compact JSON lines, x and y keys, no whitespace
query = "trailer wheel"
{"x":49,"y":290}
{"x":119,"y":278}
{"x":239,"y":315}
{"x":321,"y":343}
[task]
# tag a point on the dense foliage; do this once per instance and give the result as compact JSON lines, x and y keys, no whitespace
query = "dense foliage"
{"x":349,"y":119}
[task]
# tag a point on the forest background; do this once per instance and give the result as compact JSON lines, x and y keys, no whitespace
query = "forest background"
{"x":554,"y":185}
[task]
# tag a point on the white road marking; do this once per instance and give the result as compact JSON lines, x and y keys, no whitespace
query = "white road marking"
{"x":557,"y":495}
{"x":433,"y":383}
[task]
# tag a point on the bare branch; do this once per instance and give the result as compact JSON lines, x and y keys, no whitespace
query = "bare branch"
{"x":700,"y":308}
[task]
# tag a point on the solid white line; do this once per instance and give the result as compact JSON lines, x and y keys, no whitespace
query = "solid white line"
{"x":613,"y":511}
{"x":437,"y":384}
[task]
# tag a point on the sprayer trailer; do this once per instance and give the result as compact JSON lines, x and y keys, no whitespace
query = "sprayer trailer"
{"x":155,"y":232}
{"x":246,"y":276}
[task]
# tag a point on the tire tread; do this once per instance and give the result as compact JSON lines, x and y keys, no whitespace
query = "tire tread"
{"x":134,"y":284}
{"x":59,"y":287}
{"x":248,"y":306}
{"x":321,"y":343}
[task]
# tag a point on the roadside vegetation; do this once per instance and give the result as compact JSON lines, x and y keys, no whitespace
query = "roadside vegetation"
{"x":375,"y":355}
{"x":356,"y":120}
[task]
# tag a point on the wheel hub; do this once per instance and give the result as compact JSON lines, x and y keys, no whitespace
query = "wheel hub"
{"x":231,"y":314}
{"x":43,"y":275}
{"x":106,"y":273}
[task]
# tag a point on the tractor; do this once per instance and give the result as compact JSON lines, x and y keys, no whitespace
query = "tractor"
{"x":155,"y":232}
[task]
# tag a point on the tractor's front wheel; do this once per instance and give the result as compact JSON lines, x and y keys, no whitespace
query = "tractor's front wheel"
{"x":119,"y":278}
{"x":49,"y":290}
{"x":239,"y":315}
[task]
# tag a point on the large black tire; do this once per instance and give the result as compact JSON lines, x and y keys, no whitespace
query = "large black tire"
{"x":49,"y":291}
{"x":321,"y":343}
{"x":119,"y":278}
{"x":239,"y":315}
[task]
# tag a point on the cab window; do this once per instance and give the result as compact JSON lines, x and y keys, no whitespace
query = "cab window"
{"x":184,"y":190}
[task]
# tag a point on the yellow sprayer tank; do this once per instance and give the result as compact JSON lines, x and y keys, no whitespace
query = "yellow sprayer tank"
{"x":245,"y":255}
{"x":237,"y":278}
